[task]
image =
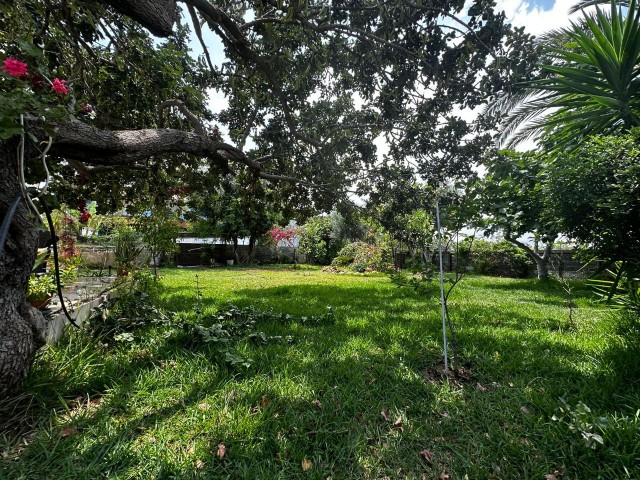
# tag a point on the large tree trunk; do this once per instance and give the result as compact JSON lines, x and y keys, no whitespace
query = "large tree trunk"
{"x":22,"y":327}
{"x":541,"y":261}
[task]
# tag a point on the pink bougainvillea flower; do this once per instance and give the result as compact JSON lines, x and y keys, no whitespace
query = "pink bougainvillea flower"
{"x":14,"y":67}
{"x":84,"y":217}
{"x":60,"y":86}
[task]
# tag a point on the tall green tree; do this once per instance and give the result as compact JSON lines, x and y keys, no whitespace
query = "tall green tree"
{"x":594,"y":193}
{"x":511,"y":200}
{"x":159,"y":228}
{"x":237,"y":208}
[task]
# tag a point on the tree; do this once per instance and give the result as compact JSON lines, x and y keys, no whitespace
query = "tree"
{"x":160,"y":229}
{"x":236,"y":209}
{"x":320,"y":240}
{"x":511,"y":199}
{"x":403,"y":208}
{"x":591,"y":85}
{"x":409,"y":63}
{"x":595,"y":194}
{"x":582,"y":4}
{"x":285,"y":237}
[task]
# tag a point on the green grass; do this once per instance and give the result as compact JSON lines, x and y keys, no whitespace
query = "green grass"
{"x":159,"y":409}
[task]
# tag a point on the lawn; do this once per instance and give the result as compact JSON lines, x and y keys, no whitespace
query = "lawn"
{"x":354,"y":394}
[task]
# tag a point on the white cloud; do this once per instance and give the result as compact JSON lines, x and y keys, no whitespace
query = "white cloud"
{"x":535,"y":19}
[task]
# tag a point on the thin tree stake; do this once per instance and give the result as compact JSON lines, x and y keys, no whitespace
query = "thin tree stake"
{"x":442,"y":304}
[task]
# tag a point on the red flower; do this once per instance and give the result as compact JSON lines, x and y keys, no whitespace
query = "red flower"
{"x":84,"y":217}
{"x":60,"y":86}
{"x":15,"y":67}
{"x":86,"y":108}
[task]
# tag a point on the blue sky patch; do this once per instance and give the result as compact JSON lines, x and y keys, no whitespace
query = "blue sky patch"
{"x":544,"y":4}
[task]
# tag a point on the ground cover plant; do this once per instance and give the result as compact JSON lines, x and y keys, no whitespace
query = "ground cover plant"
{"x":348,"y":394}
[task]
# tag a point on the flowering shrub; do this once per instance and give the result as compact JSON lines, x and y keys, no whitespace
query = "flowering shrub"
{"x":283,"y":234}
{"x":25,"y":89}
{"x":84,"y":215}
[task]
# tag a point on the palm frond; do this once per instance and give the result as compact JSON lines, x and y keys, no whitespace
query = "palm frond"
{"x":592,"y":84}
{"x":582,"y":4}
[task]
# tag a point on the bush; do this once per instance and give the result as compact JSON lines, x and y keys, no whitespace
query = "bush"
{"x":318,"y":241}
{"x":500,"y":259}
{"x":361,"y":256}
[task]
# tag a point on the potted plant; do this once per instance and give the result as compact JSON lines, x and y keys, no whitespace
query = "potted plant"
{"x":40,"y":290}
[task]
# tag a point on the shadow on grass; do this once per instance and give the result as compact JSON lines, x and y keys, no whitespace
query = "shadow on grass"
{"x":321,"y":399}
{"x":553,"y":289}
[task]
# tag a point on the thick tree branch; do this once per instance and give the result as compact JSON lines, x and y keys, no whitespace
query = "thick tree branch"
{"x":79,"y":142}
{"x":158,"y":15}
{"x":234,"y":39}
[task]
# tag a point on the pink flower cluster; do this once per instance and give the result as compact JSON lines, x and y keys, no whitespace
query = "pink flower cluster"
{"x":282,"y":234}
{"x":60,"y":86}
{"x":16,"y":68}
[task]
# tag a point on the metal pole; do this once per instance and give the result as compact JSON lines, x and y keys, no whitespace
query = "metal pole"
{"x":444,"y":323}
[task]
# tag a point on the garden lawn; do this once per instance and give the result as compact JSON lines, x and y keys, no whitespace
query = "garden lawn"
{"x":357,"y":397}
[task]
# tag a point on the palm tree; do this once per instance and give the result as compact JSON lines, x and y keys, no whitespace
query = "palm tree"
{"x":592,"y":84}
{"x":582,"y":4}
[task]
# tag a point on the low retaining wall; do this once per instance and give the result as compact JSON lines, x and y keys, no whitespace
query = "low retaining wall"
{"x":57,"y":321}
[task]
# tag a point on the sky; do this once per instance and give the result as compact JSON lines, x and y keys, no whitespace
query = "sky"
{"x":538,"y":16}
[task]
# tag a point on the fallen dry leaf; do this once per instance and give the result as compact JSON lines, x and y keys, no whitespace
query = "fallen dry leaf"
{"x":222,"y":451}
{"x":231,"y":395}
{"x":444,"y":476}
{"x":306,"y":464}
{"x":317,"y":404}
{"x":204,"y":406}
{"x":370,"y":380}
{"x":385,"y":415}
{"x":68,"y":431}
{"x":481,"y":387}
{"x":398,"y":423}
{"x":199,"y":465}
{"x":427,"y":456}
{"x":525,"y":410}
{"x":510,"y":385}
{"x":556,"y":475}
{"x":264,"y":402}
